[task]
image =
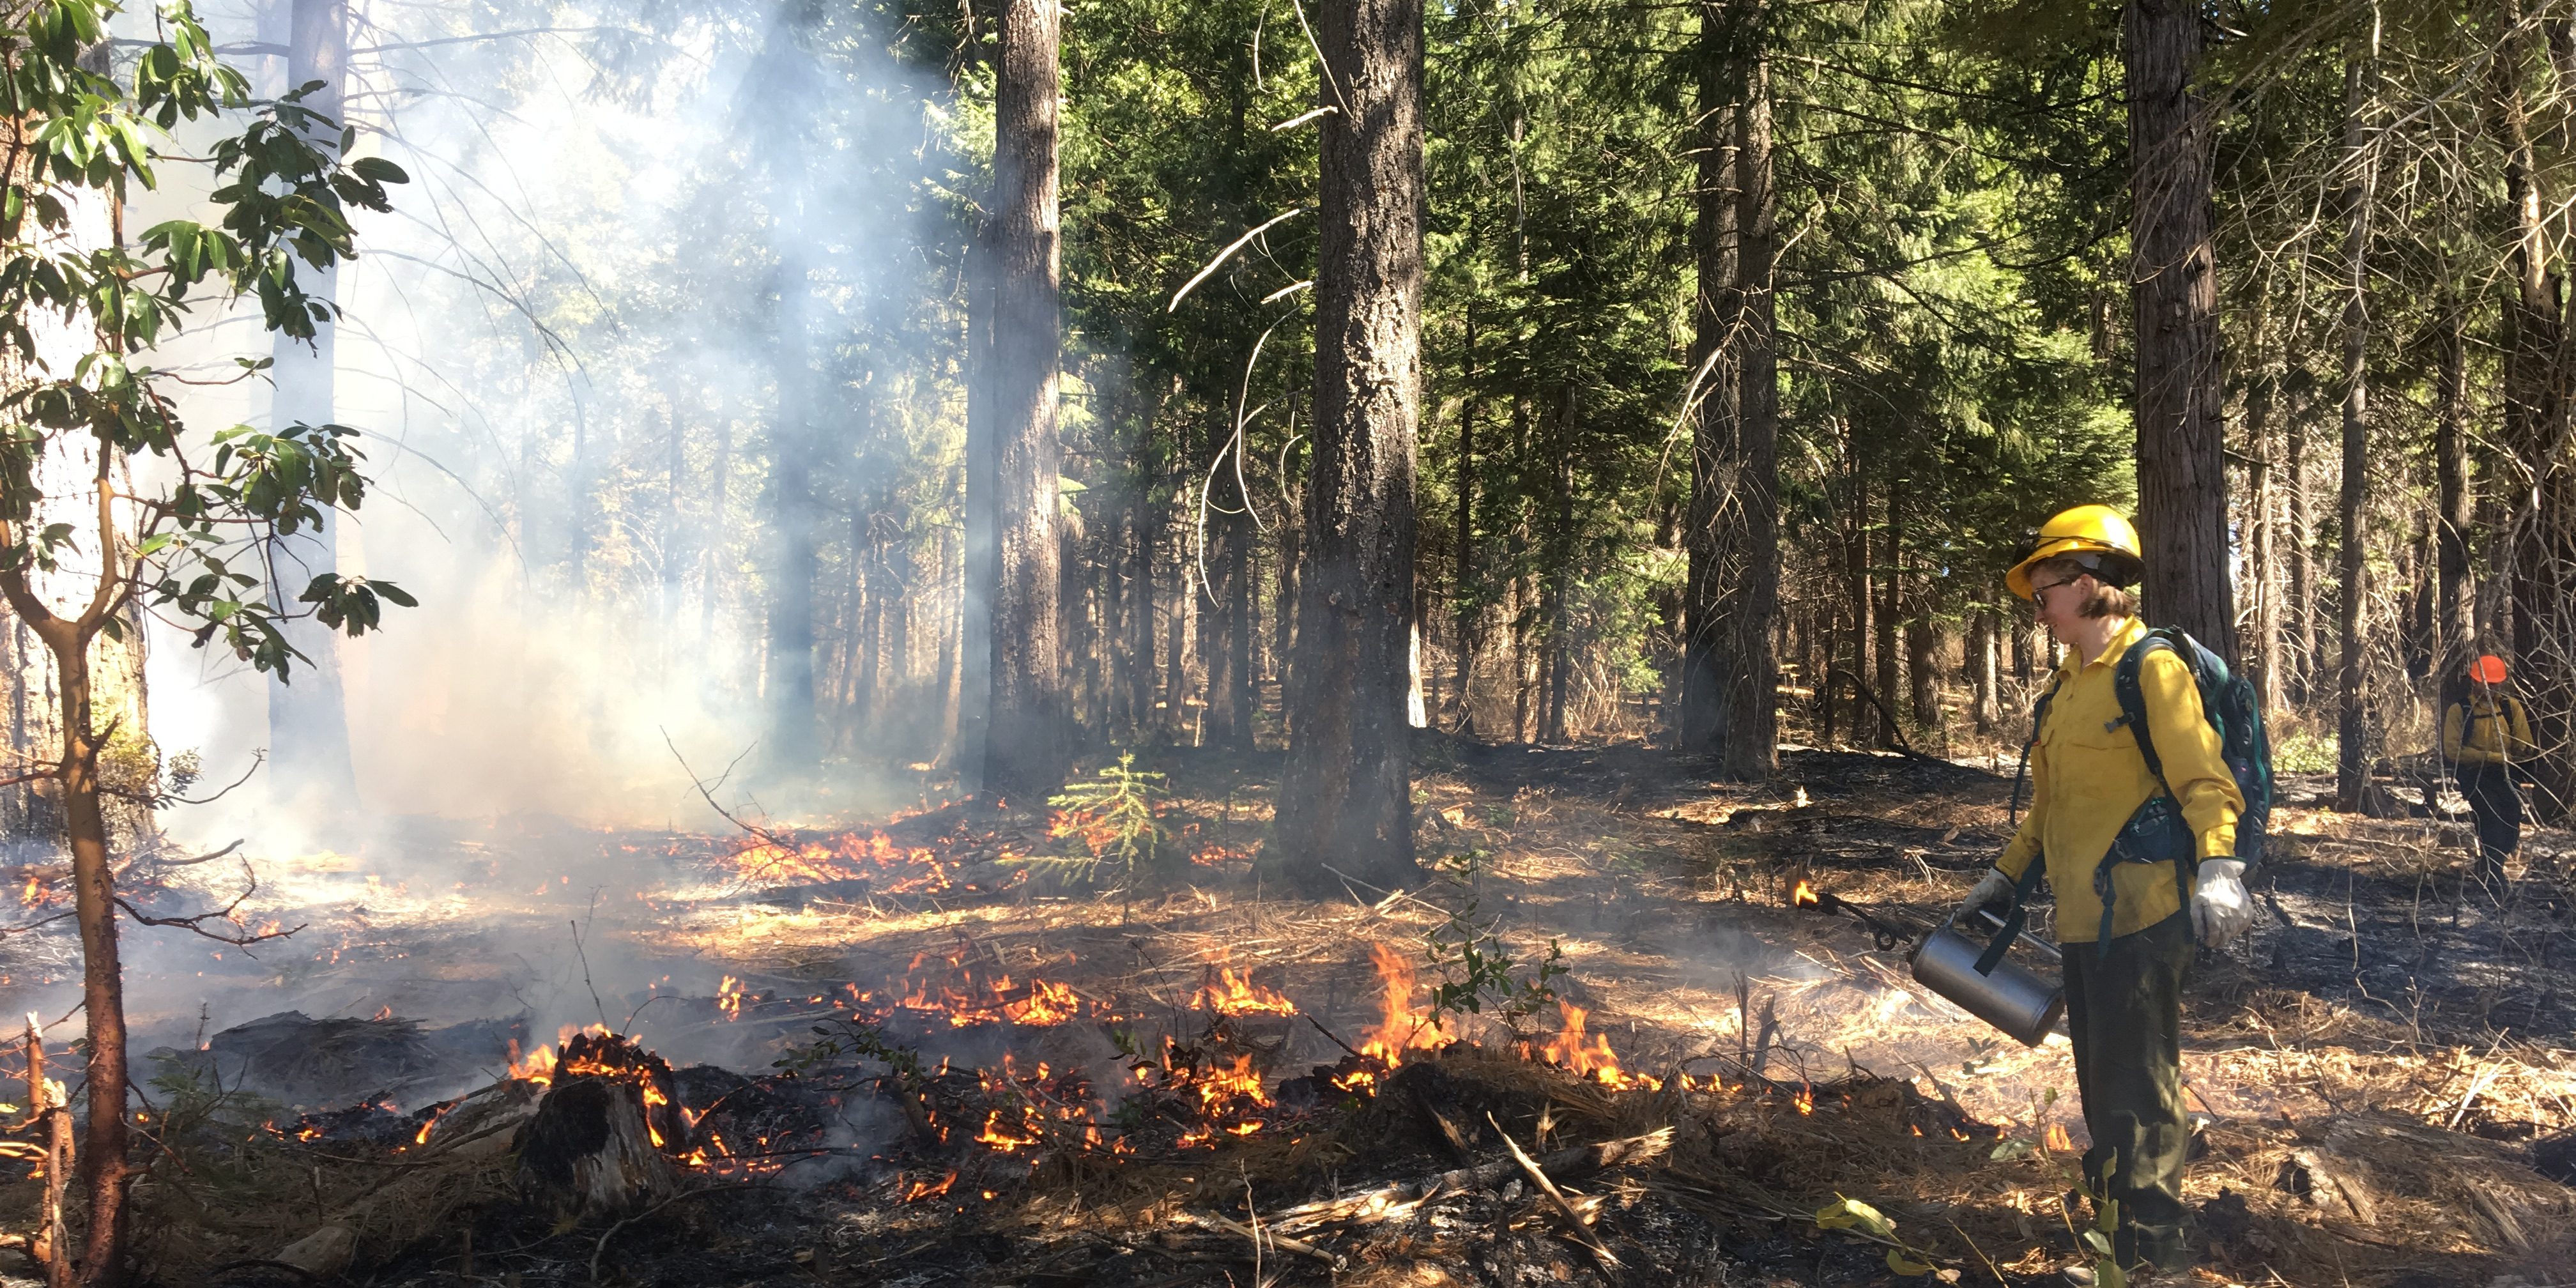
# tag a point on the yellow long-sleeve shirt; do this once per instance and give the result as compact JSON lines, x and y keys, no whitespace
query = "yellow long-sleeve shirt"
{"x":2088,"y":777}
{"x":2486,"y":730}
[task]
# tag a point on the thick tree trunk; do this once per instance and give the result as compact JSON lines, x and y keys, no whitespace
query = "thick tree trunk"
{"x":2263,"y":571}
{"x":1464,"y":597}
{"x":105,"y":1176}
{"x":1890,"y":610}
{"x":1346,"y":797}
{"x":1560,"y":578}
{"x":1856,"y":577}
{"x":1144,"y":523}
{"x":1922,"y":664}
{"x":1717,"y":306}
{"x":1752,"y":600}
{"x":2454,"y":613}
{"x":2182,"y":463}
{"x":2536,"y":429}
{"x":2299,"y":594}
{"x":2352,"y":757}
{"x":1026,"y":745}
{"x":787,"y":686}
{"x":981,"y":558}
{"x":1229,"y":611}
{"x":308,"y":721}
{"x":1982,"y":629}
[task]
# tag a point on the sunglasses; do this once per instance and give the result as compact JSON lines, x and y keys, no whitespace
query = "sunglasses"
{"x":2037,"y":591}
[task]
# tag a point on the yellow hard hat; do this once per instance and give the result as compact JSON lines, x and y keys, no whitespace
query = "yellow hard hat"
{"x":2096,"y":530}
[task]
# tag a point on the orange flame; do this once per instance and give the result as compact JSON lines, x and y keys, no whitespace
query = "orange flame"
{"x":1804,"y":896}
{"x":968,"y":1002}
{"x":1047,"y":1003}
{"x":915,"y":1191}
{"x":729,"y":997}
{"x":846,"y":857}
{"x":2058,"y":1139}
{"x":994,"y":1135}
{"x":1232,"y":994}
{"x":1400,"y":1028}
{"x":1593,"y":1058}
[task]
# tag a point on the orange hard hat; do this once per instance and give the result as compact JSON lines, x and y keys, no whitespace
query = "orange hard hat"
{"x":2488,"y":669}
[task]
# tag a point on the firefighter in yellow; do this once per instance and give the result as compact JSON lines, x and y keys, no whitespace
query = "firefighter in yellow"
{"x":2484,"y":735}
{"x":2141,"y":868}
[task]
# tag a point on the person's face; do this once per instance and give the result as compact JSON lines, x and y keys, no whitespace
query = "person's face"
{"x":2058,"y":598}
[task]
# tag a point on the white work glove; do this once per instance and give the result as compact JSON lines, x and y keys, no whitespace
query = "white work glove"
{"x":1992,"y":888}
{"x":2221,"y":910}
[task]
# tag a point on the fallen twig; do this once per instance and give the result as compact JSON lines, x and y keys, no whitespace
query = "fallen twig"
{"x":1581,"y":1160}
{"x":1538,"y":1176}
{"x":1271,"y":1236}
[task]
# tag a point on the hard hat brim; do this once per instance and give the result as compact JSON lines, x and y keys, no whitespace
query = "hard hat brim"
{"x":2124,"y":568}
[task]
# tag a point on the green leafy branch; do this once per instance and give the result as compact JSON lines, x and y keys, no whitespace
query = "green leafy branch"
{"x":1475,"y":966}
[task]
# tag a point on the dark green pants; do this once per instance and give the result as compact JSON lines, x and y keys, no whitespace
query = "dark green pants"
{"x":2124,"y":1010}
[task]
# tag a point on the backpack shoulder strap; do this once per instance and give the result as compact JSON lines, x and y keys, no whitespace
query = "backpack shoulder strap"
{"x":2131,"y":692}
{"x":2038,"y":717}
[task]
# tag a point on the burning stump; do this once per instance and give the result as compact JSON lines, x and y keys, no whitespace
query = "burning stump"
{"x":588,"y":1154}
{"x":601,"y":1142}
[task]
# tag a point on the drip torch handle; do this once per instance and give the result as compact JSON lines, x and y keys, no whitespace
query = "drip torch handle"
{"x":1994,"y":922}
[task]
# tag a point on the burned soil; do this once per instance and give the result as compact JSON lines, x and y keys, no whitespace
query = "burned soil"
{"x":903,"y":1054}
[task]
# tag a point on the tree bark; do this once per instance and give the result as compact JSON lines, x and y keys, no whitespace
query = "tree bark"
{"x":1982,"y":676}
{"x":1346,"y":796}
{"x":2182,"y":464}
{"x":1229,"y":619}
{"x":2299,"y":594}
{"x":2352,"y":756}
{"x":2536,"y":430}
{"x":1856,"y":572}
{"x":104,"y":1172}
{"x":308,"y":720}
{"x":980,"y":563}
{"x":1890,"y":608}
{"x":1026,"y":736}
{"x":2264,"y":567}
{"x":1717,"y":306}
{"x":1559,"y":578}
{"x":2454,"y":614}
{"x":1752,"y":601}
{"x":787,"y":687}
{"x":1463,"y":594}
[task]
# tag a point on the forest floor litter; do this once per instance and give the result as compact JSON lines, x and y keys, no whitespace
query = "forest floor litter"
{"x":920,"y":1069}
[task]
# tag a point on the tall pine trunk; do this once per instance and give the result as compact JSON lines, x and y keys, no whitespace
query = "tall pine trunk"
{"x":308,"y":720}
{"x":2299,"y":593}
{"x":1346,"y":796}
{"x":2454,"y":613}
{"x":2534,"y":426}
{"x":1717,"y":305}
{"x":1887,"y":613}
{"x":1026,"y":735}
{"x":793,"y":556}
{"x":1752,"y":601}
{"x":2263,"y":569}
{"x":2182,"y":464}
{"x":2352,"y":757}
{"x":1229,"y":609}
{"x":1463,"y":597}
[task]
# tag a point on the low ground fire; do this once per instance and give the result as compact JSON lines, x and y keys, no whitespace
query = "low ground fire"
{"x":927,"y":1043}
